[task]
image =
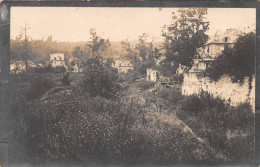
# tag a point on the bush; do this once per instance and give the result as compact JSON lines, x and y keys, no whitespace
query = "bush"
{"x":144,"y":85}
{"x":59,"y":69}
{"x":212,"y":119}
{"x":66,"y":80}
{"x":38,"y":87}
{"x":177,"y":78}
{"x":43,"y":69}
{"x":100,"y":80}
{"x":49,"y":68}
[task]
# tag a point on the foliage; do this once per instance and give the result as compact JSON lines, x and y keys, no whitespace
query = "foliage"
{"x":98,"y":44}
{"x":183,"y":36}
{"x":59,"y":69}
{"x":100,"y":79}
{"x":38,"y":87}
{"x":66,"y":79}
{"x":213,"y":119}
{"x":144,"y":85}
{"x":178,"y":78}
{"x":44,"y":69}
{"x":142,"y":56}
{"x":102,"y":130}
{"x":237,"y":62}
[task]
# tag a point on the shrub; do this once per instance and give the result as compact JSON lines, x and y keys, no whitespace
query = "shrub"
{"x":144,"y":85}
{"x":212,"y":119}
{"x":177,"y":78}
{"x":105,"y":130}
{"x":38,"y":87}
{"x":43,"y":69}
{"x":66,"y":80}
{"x":59,"y":69}
{"x":100,"y":80}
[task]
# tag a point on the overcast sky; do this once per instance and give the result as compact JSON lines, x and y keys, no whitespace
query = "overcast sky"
{"x":74,"y":24}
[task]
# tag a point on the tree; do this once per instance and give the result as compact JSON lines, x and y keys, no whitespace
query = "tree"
{"x":100,"y":79}
{"x":237,"y":62}
{"x":143,"y":55}
{"x":97,"y":44}
{"x":183,"y":36}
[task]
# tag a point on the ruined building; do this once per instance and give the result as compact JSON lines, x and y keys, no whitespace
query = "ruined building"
{"x":195,"y":81}
{"x":152,"y":74}
{"x":57,"y":60}
{"x":123,"y":65}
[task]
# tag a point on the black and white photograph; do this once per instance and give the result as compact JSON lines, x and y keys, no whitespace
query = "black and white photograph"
{"x":94,"y":86}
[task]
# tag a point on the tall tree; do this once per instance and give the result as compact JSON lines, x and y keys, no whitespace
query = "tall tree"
{"x":184,"y":35}
{"x":98,"y":44}
{"x":143,"y":55}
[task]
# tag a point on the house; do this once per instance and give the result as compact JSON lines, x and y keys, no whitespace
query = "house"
{"x":153,"y":74}
{"x":123,"y":65}
{"x":57,"y":60}
{"x":219,"y":42}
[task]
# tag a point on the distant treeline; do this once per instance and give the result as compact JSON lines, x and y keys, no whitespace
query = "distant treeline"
{"x":39,"y":50}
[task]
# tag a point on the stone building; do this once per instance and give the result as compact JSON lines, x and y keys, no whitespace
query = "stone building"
{"x":152,"y":75}
{"x":123,"y":65}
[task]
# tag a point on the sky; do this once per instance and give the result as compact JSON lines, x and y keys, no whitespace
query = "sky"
{"x":73,"y":24}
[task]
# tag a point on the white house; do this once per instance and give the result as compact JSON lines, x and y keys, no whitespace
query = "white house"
{"x":123,"y":65}
{"x":57,"y":60}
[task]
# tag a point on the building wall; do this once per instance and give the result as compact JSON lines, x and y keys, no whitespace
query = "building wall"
{"x":234,"y":93}
{"x":215,"y":49}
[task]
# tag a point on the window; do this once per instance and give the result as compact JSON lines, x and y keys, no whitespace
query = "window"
{"x":208,"y":48}
{"x":226,"y":39}
{"x":119,"y":64}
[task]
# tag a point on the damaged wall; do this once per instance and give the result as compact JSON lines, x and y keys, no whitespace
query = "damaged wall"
{"x":234,"y":93}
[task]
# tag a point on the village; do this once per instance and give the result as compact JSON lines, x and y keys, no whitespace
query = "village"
{"x":194,"y":80}
{"x":185,"y":92}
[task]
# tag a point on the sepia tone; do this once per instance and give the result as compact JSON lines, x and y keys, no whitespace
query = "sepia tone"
{"x":97,"y":86}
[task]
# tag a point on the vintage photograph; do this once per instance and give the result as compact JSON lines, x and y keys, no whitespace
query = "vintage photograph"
{"x":131,"y":85}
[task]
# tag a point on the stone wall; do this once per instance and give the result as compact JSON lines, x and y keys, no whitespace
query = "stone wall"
{"x":234,"y":93}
